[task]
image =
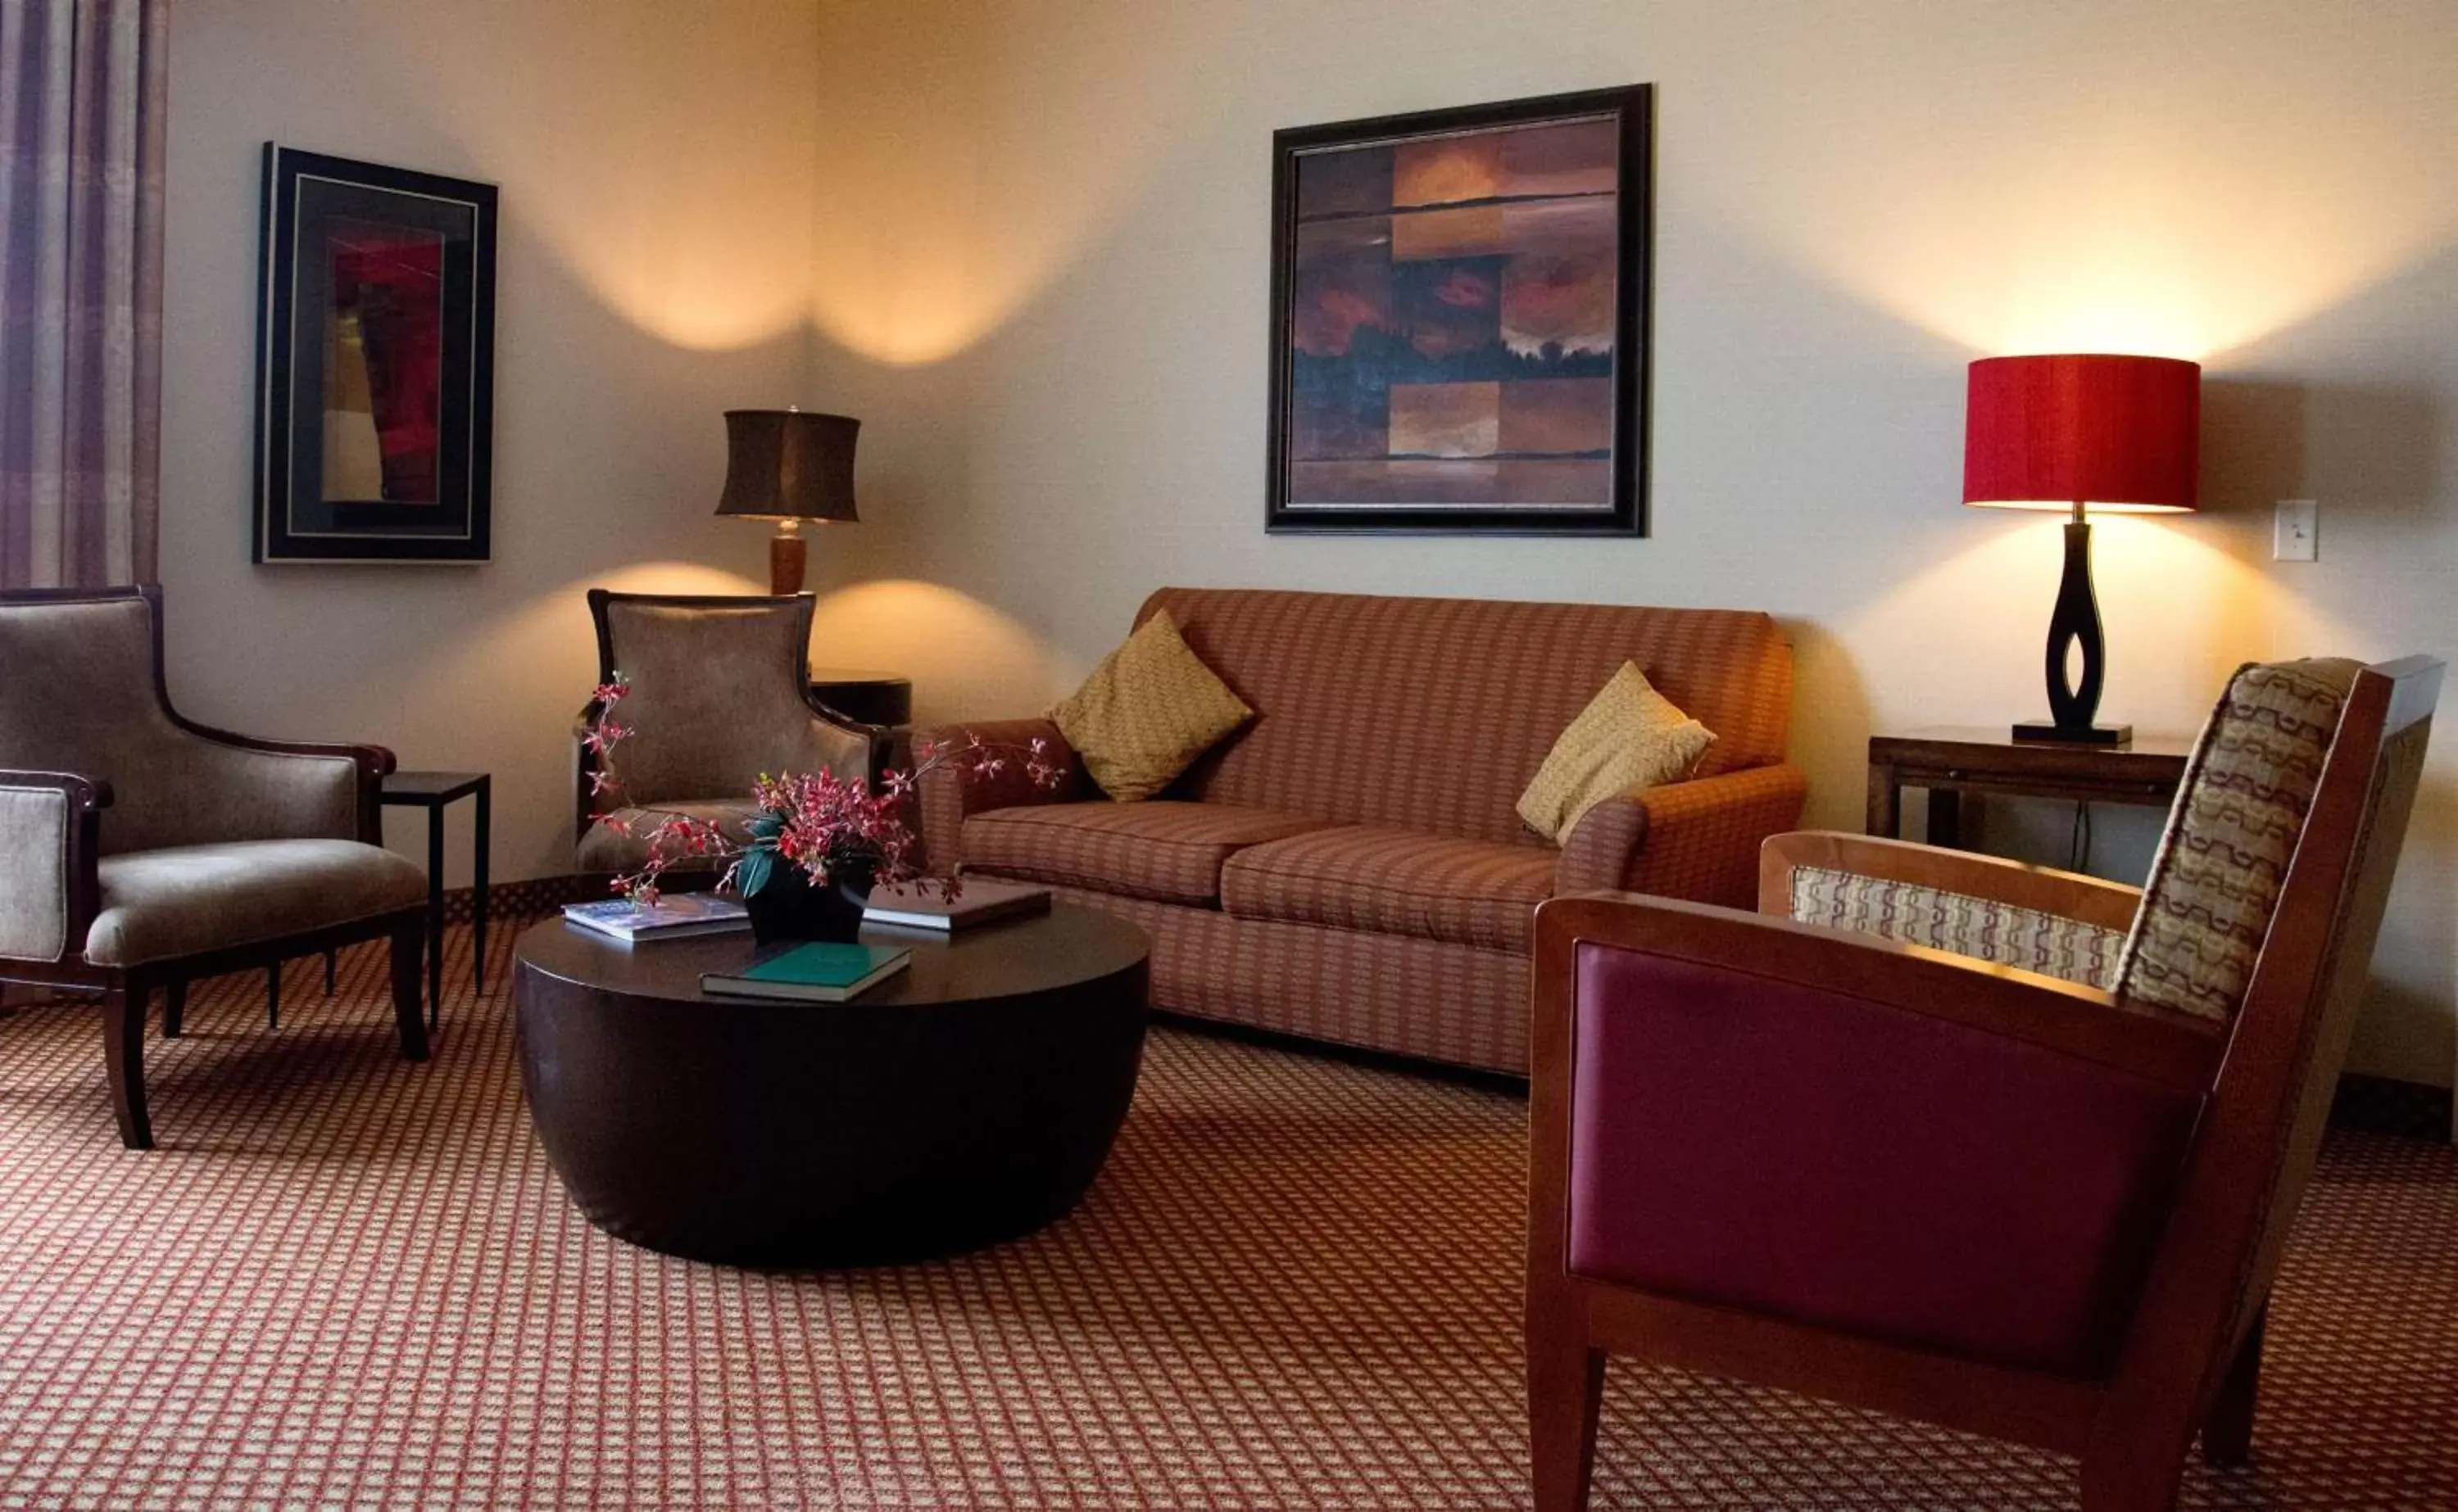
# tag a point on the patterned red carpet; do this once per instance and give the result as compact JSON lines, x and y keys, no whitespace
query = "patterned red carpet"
{"x":345,"y":1281}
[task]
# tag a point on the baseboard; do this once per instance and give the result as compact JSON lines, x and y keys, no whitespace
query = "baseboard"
{"x":2380,"y":1105}
{"x":534,"y":898}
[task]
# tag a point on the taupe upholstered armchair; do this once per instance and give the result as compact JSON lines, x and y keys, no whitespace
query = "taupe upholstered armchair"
{"x":140,"y":851}
{"x":721,"y":694}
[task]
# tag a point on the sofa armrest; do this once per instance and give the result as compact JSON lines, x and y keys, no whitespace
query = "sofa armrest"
{"x":51,"y":831}
{"x":948,"y":796}
{"x":2041,"y":889}
{"x":1881,"y":1139}
{"x":1697,"y":839}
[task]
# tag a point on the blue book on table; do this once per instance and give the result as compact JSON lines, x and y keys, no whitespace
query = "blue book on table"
{"x":817,"y":972}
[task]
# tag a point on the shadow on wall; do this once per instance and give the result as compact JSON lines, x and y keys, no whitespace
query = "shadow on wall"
{"x":2407,"y":1021}
{"x":2260,"y":436}
{"x":1831,"y":718}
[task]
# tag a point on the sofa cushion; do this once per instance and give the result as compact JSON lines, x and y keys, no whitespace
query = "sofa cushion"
{"x":1147,"y":712}
{"x":187,"y":900}
{"x":1627,"y":738}
{"x":1170,"y":851}
{"x":1396,"y":883}
{"x":607,"y":848}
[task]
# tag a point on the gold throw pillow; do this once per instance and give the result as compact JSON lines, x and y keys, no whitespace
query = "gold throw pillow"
{"x":1147,"y":712}
{"x":1630,"y":736}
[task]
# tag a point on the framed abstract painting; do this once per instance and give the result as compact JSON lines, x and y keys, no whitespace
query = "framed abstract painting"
{"x":375,"y":364}
{"x":1459,"y":320}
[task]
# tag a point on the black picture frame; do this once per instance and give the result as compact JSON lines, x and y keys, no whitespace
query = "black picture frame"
{"x":374,"y":364}
{"x":1621,"y":473}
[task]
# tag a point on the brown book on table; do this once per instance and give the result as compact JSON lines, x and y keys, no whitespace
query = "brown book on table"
{"x":979,"y":900}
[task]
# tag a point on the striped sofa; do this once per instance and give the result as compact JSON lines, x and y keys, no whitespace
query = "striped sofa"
{"x":1349,"y":867}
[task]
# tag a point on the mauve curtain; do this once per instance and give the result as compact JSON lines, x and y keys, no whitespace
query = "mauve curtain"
{"x":81,"y":104}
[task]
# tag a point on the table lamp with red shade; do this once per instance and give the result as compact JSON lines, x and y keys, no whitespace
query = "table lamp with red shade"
{"x":2076,"y":432}
{"x":788,"y":466}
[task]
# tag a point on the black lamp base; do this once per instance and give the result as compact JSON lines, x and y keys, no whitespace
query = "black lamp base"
{"x":2050,"y":733}
{"x":2074,"y":627}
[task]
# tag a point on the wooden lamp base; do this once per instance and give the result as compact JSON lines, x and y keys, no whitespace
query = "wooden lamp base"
{"x":787,"y":553}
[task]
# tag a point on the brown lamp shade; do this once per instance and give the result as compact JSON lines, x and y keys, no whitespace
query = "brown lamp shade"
{"x":788,"y":465}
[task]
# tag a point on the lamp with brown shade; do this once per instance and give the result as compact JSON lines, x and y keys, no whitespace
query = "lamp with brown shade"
{"x":2117,"y":434}
{"x":788,"y":466}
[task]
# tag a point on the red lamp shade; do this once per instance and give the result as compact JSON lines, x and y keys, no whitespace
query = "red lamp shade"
{"x":2115,"y":433}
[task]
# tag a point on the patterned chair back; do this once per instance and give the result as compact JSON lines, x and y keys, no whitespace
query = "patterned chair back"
{"x":2215,"y":884}
{"x":2239,"y":814}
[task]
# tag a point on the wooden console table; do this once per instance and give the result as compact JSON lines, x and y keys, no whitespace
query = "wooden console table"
{"x":1950,"y":762}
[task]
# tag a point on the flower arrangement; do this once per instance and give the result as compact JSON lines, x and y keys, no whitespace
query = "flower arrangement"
{"x":827,"y":827}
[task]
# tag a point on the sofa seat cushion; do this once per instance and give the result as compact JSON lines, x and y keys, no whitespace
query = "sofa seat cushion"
{"x":1394,"y":882}
{"x":1165,"y":850}
{"x":188,"y":899}
{"x":604,"y":848}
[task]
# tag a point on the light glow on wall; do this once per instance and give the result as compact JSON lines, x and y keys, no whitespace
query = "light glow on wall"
{"x":932,"y":235}
{"x":2179,"y":613}
{"x":965,"y":657}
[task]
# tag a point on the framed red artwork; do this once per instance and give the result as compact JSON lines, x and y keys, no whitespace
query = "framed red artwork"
{"x":375,"y":364}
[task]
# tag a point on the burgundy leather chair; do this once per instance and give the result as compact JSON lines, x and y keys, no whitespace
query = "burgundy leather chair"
{"x":2007,"y":1150}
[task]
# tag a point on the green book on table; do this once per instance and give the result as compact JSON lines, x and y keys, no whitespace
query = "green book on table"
{"x":819,"y":972}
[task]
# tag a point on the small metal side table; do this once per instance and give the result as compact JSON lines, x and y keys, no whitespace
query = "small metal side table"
{"x":868,"y":698}
{"x":1952,"y":762}
{"x":434,"y":792}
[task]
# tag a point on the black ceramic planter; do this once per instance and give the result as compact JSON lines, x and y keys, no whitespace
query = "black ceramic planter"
{"x":792,"y":907}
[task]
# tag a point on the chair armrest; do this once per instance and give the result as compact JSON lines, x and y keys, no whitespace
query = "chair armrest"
{"x":1867,"y":1136}
{"x":880,"y":742}
{"x":280,"y":784}
{"x":2175,"y":1049}
{"x":2068,"y":895}
{"x":51,"y":831}
{"x":1697,"y":839}
{"x":952,"y":794}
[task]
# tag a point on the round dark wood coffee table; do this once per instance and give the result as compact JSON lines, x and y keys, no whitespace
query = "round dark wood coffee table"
{"x":970,"y":1099}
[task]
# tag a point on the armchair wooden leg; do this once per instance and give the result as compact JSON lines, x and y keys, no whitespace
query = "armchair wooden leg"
{"x":1565,"y":1381}
{"x":124,"y":1061}
{"x":328,"y":972}
{"x":2136,"y":1468}
{"x":407,"y":974}
{"x":174,"y":1010}
{"x":272,"y":996}
{"x":2227,"y":1434}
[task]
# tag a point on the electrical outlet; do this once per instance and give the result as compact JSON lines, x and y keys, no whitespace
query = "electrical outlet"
{"x":2298,"y":537}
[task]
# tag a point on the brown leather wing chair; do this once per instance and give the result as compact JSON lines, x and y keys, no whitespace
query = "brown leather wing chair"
{"x":2007,"y":1150}
{"x":721,"y":694}
{"x":140,"y":850}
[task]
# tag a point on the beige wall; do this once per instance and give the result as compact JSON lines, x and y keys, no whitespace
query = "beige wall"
{"x":1040,"y":269}
{"x":1026,"y":240}
{"x":653,"y":271}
